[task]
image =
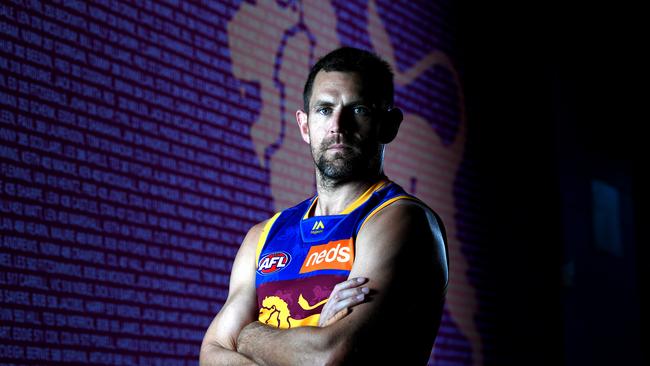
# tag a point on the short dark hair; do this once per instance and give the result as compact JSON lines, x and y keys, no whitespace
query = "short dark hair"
{"x":375,"y":73}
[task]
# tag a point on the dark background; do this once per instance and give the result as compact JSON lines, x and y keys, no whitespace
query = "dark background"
{"x":552,"y":96}
{"x":553,"y":105}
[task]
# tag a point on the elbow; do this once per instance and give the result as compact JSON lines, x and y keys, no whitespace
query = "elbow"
{"x":331,"y":357}
{"x":210,"y":353}
{"x":333,"y":351}
{"x":335,"y":357}
{"x":328,"y":358}
{"x":206,"y":353}
{"x":204,"y":356}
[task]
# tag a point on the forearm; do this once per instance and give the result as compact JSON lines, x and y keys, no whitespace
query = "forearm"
{"x":215,"y":355}
{"x":266,"y":345}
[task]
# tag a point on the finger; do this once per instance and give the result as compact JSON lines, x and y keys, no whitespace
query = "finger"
{"x":335,"y":306}
{"x":342,"y":299}
{"x":347,"y":303}
{"x":343,"y":294}
{"x":349,"y":289}
{"x":353,"y":282}
{"x":340,"y":309}
{"x":338,"y":316}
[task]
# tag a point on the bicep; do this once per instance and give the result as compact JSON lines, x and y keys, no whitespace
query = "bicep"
{"x":240,"y":308}
{"x":403,"y":246}
{"x":402,"y":253}
{"x":236,"y":313}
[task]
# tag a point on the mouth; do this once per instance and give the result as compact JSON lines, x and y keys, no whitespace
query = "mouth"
{"x":341,"y":148}
{"x":338,"y":147}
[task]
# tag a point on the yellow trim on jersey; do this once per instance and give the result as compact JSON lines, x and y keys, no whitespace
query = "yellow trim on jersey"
{"x":263,"y":235}
{"x":311,"y":207}
{"x":380,"y":207}
{"x":365,"y":196}
{"x":358,"y":202}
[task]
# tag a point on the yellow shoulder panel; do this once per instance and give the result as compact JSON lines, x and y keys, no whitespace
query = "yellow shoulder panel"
{"x":263,"y":235}
{"x":380,"y":207}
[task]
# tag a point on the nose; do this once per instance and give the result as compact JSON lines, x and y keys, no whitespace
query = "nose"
{"x":335,"y":121}
{"x":339,"y":122}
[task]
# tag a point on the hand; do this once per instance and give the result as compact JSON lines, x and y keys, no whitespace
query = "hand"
{"x":344,"y":296}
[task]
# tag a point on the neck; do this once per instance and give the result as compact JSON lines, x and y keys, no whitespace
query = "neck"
{"x":334,"y":197}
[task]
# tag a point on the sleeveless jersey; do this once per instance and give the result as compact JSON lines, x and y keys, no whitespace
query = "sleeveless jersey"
{"x":300,"y":258}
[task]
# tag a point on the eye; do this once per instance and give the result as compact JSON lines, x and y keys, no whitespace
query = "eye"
{"x":325,"y":111}
{"x":361,"y":110}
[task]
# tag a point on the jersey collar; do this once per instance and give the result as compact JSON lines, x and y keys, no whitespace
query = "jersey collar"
{"x":358,"y":202}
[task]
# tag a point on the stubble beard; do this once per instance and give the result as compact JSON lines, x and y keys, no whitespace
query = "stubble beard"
{"x":353,"y":162}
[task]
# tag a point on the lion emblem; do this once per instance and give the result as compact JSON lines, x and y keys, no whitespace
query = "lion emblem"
{"x":275,"y":312}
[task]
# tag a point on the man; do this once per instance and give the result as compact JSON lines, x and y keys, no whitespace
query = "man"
{"x":356,"y":274}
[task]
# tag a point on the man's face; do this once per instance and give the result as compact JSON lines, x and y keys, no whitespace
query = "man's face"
{"x":339,"y":126}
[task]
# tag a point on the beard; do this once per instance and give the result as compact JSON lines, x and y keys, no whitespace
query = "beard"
{"x":355,"y":160}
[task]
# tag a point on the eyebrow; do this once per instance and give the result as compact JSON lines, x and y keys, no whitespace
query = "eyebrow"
{"x":326,"y":103}
{"x":322,"y":103}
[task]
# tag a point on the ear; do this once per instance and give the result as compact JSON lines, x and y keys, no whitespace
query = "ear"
{"x":390,"y":125}
{"x":302,"y":119}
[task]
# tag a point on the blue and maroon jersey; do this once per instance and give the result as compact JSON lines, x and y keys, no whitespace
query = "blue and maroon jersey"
{"x":301,"y":258}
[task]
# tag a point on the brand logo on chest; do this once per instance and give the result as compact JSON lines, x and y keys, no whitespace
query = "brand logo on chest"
{"x":273,"y":262}
{"x":317,"y":228}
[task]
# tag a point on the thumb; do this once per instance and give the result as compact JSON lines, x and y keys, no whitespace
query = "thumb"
{"x":336,"y":317}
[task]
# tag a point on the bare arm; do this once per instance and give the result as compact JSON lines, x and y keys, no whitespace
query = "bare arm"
{"x":401,"y":251}
{"x":219,"y":345}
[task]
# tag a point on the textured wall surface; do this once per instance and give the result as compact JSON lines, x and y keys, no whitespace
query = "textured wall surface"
{"x":139,"y":141}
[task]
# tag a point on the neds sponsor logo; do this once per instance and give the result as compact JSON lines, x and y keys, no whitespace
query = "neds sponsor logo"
{"x":333,"y":255}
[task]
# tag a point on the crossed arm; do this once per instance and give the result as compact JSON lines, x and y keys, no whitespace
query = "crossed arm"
{"x":401,"y":253}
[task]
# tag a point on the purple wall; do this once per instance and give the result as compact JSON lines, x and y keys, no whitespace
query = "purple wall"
{"x":139,"y":141}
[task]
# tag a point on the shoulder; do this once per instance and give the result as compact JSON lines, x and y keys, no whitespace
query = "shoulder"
{"x":251,"y":241}
{"x":406,"y":231}
{"x":255,"y":232}
{"x":256,"y":237}
{"x":410,"y":215}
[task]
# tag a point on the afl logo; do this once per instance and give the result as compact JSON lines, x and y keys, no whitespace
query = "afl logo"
{"x":273,"y":262}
